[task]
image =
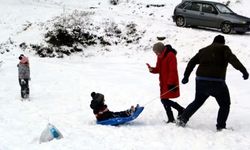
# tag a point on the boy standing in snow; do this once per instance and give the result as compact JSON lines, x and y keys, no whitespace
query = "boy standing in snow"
{"x":101,"y":111}
{"x":24,"y":75}
{"x":210,"y":79}
{"x":166,"y":67}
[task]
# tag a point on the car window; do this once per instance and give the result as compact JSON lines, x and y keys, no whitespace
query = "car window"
{"x":224,"y":9}
{"x":184,"y":4}
{"x":188,"y":6}
{"x":207,"y":8}
{"x":194,"y":7}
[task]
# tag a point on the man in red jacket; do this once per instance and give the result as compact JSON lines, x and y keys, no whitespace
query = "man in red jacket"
{"x":166,"y":67}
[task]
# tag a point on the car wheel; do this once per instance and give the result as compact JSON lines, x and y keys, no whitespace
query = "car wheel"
{"x":180,"y":21}
{"x":226,"y":28}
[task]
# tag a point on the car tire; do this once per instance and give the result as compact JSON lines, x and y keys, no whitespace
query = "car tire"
{"x":180,"y":21}
{"x":226,"y":28}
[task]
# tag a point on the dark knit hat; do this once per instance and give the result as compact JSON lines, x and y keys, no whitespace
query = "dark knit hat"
{"x":158,"y":47}
{"x":98,"y":97}
{"x":219,"y":39}
{"x":20,"y":57}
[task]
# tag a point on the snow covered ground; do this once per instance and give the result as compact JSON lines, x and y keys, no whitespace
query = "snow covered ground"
{"x":60,"y":88}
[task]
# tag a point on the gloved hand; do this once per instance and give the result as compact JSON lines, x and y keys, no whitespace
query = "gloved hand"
{"x":172,"y":87}
{"x":23,"y":81}
{"x":245,"y":75}
{"x":184,"y":80}
{"x":149,"y":67}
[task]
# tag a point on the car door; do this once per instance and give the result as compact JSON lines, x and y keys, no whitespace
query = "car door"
{"x":192,"y":14}
{"x":209,"y":16}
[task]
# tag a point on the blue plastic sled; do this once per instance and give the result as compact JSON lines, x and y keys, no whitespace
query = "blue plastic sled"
{"x":121,"y":120}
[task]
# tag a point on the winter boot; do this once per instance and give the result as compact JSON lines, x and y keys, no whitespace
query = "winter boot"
{"x":137,"y":105}
{"x":23,"y":93}
{"x":220,"y":129}
{"x":180,"y":122}
{"x":26,"y":96}
{"x":171,"y":121}
{"x":131,"y":110}
{"x":180,"y":111}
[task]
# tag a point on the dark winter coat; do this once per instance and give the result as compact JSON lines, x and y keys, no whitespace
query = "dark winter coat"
{"x":213,"y":61}
{"x":23,"y":71}
{"x":97,"y":106}
{"x":166,"y":67}
{"x":100,"y":110}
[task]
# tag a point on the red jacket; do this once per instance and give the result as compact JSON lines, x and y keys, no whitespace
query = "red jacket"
{"x":166,"y":66}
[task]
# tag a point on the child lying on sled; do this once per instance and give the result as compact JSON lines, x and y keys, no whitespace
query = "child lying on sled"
{"x":101,"y":111}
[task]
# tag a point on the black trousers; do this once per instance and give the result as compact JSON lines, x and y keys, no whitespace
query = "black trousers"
{"x":167,"y":104}
{"x":109,"y":114}
{"x":204,"y":89}
{"x":25,"y":91}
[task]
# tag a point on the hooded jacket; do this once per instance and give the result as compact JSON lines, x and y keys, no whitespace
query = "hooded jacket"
{"x":24,"y":69}
{"x":166,"y":67}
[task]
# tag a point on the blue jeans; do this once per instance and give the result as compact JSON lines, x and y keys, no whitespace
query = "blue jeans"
{"x":204,"y":89}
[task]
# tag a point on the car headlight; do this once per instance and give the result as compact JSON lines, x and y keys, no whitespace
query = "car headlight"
{"x":243,"y":22}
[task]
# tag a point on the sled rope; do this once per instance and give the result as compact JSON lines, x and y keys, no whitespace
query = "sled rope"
{"x":160,"y":95}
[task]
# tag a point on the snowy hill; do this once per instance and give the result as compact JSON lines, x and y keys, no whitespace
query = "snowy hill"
{"x":61,"y":87}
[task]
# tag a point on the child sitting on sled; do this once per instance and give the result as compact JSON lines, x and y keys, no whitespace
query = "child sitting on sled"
{"x":101,"y":111}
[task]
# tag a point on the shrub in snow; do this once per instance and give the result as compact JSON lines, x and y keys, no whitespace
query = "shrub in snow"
{"x":59,"y":37}
{"x":74,"y":32}
{"x":23,"y":46}
{"x":54,"y":51}
{"x":238,"y":1}
{"x":229,"y":2}
{"x":6,"y":46}
{"x":114,"y":2}
{"x":155,"y":5}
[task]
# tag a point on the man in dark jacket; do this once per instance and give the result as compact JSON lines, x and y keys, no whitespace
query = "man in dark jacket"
{"x":210,"y":80}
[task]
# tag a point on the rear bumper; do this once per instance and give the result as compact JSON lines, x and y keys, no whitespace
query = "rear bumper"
{"x":241,"y":27}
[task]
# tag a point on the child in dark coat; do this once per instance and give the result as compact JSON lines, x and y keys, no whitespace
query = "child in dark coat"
{"x":101,"y":111}
{"x":24,"y":75}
